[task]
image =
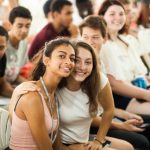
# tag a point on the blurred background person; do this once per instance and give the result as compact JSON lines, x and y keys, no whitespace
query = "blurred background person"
{"x":5,"y":88}
{"x":16,"y":52}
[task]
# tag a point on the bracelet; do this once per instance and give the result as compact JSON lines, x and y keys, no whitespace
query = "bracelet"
{"x":99,"y":141}
{"x":105,"y":143}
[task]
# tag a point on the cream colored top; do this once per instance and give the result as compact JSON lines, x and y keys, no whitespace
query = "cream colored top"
{"x":144,"y":40}
{"x":123,"y":63}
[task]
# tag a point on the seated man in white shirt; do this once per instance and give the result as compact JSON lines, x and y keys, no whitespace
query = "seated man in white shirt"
{"x":16,"y":52}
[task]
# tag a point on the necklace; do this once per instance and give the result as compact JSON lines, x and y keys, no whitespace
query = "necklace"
{"x":53,"y":136}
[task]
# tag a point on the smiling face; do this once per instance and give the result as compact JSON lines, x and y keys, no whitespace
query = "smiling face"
{"x":115,"y":18}
{"x":83,"y":66}
{"x":61,"y":61}
{"x":93,"y":37}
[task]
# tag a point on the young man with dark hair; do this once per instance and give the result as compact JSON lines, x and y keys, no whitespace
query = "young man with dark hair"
{"x":16,"y":52}
{"x":93,"y":31}
{"x":5,"y":88}
{"x":61,"y":25}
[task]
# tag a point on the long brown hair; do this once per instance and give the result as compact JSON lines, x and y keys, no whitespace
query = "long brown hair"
{"x":144,"y":14}
{"x":91,"y":85}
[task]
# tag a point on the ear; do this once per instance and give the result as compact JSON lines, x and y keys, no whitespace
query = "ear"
{"x":10,"y":26}
{"x":49,"y":16}
{"x":54,"y":14}
{"x":105,"y":39}
{"x":45,"y":60}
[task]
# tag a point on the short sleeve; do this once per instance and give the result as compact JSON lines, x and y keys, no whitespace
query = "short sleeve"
{"x":104,"y":80}
{"x":109,"y":57}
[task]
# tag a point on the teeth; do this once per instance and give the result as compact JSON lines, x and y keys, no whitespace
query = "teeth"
{"x":117,"y":23}
{"x":80,"y":73}
{"x":67,"y":69}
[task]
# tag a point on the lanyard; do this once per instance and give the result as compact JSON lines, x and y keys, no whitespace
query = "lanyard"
{"x":53,"y":137}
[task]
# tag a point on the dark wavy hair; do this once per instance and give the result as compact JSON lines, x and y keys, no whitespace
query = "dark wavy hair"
{"x":91,"y":85}
{"x":47,"y":50}
{"x":19,"y":11}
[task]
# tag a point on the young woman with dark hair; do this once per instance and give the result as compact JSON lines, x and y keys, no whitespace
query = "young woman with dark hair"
{"x":126,"y":64}
{"x":34,"y":115}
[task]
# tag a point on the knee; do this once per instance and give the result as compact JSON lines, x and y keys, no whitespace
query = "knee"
{"x":128,"y":146}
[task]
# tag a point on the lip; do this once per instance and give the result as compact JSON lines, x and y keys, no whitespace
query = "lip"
{"x":79,"y":73}
{"x":66,"y":69}
{"x":117,"y":23}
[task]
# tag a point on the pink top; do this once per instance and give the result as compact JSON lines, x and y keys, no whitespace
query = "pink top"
{"x":21,"y":136}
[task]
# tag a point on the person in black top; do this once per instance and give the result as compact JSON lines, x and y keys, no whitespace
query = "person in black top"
{"x":5,"y":88}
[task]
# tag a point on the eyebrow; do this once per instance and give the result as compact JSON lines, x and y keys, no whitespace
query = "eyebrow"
{"x":62,"y":52}
{"x":92,"y":35}
{"x":77,"y":57}
{"x":66,"y":53}
{"x":114,"y":11}
{"x":23,"y":24}
{"x":89,"y":59}
{"x":20,"y":23}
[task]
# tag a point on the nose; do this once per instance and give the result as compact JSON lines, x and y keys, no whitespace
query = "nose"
{"x":119,"y":16}
{"x":24,"y":30}
{"x":82,"y":66}
{"x":90,"y":40}
{"x":68,"y":61}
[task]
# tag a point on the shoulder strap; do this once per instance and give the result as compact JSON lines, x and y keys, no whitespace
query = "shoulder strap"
{"x":17,"y":103}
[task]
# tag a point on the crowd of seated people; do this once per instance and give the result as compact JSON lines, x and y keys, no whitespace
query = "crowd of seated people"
{"x":77,"y":85}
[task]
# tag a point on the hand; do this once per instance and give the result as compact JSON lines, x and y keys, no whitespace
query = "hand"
{"x":134,"y":116}
{"x":73,"y":30}
{"x":94,"y":145}
{"x":24,"y":88}
{"x":131,"y":125}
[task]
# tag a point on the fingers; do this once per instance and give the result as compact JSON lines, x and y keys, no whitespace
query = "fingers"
{"x":27,"y":86}
{"x":92,"y":146}
{"x":139,"y":118}
{"x":134,"y":116}
{"x":137,"y":129}
{"x":132,"y":121}
{"x":24,"y":88}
